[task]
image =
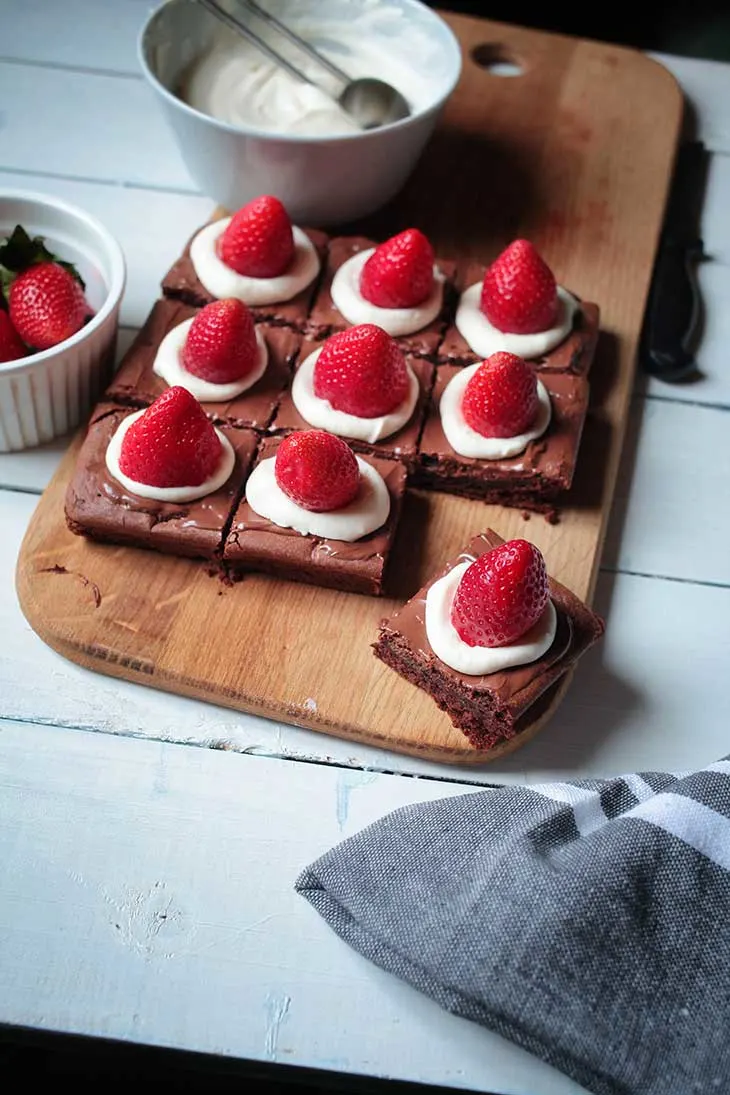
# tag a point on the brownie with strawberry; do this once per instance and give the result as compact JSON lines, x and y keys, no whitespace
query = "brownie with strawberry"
{"x":162,"y":477}
{"x":359,"y":385}
{"x":313,"y":511}
{"x":397,"y":284}
{"x":499,"y":431}
{"x":42,"y":297}
{"x":489,"y":638}
{"x":235,"y":369}
{"x":517,"y":306}
{"x":257,"y":256}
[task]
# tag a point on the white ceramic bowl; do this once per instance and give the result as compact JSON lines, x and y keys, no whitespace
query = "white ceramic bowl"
{"x":46,"y":394}
{"x":321,"y":180}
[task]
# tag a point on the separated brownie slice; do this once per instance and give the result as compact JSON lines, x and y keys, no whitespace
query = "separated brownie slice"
{"x":401,"y":445}
{"x":490,"y":708}
{"x":533,"y":477}
{"x":100,"y":507}
{"x":182,"y":283}
{"x":325,"y":318}
{"x":256,"y":543}
{"x":136,"y":385}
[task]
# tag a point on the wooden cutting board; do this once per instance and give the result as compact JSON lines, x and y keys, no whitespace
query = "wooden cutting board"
{"x":576,"y":153}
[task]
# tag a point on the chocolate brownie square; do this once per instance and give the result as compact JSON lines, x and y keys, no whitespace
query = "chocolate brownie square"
{"x":573,"y":355}
{"x":325,"y":318}
{"x":136,"y":385}
{"x":182,"y":283}
{"x":494,"y":708}
{"x":402,"y":445}
{"x":255,"y":543}
{"x":533,"y":477}
{"x":99,"y":507}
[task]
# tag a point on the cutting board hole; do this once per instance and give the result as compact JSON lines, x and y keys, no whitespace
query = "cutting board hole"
{"x":496,"y":59}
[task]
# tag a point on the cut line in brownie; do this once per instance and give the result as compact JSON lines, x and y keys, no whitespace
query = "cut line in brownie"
{"x":325,"y":318}
{"x":574,"y":354}
{"x":532,"y":478}
{"x":100,"y":508}
{"x":255,"y":543}
{"x":489,"y":709}
{"x":402,"y":445}
{"x":136,"y":385}
{"x":183,"y":284}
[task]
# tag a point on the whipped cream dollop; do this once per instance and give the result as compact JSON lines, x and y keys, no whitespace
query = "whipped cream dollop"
{"x":167,"y":494}
{"x":486,"y":339}
{"x":467,"y":441}
{"x":479,"y":661}
{"x":223,"y":282}
{"x":346,"y":296}
{"x":320,"y":412}
{"x":366,"y":513}
{"x":168,"y":364}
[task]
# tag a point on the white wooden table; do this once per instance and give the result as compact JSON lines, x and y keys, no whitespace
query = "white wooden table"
{"x":146,"y":878}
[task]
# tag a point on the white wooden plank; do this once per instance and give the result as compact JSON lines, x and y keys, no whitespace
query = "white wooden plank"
{"x":706,"y":85}
{"x":715,"y":221}
{"x":628,"y":706}
{"x":62,"y":120}
{"x":84,"y":33}
{"x":669,"y":515}
{"x":151,"y":227}
{"x":118,"y":920}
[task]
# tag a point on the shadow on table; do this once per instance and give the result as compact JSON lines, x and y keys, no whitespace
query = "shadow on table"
{"x":596,"y":706}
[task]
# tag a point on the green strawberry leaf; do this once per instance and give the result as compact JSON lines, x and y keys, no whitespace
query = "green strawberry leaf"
{"x":19,"y":251}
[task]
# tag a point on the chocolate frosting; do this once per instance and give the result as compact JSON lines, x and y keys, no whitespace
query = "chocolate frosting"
{"x":97,"y":505}
{"x":257,"y":542}
{"x":547,"y":463}
{"x":182,"y":283}
{"x":325,"y":317}
{"x":402,"y":445}
{"x":137,"y":385}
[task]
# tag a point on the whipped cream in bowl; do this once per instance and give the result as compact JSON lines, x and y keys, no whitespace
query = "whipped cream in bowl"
{"x":485,"y":339}
{"x":467,"y":441}
{"x":245,"y":128}
{"x":346,"y":296}
{"x":167,"y":494}
{"x":479,"y":661}
{"x":320,"y":412}
{"x":223,"y":282}
{"x":368,"y":511}
{"x":168,"y":364}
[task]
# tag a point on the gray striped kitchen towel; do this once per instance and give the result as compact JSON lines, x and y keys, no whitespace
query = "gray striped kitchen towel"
{"x":589,"y":922}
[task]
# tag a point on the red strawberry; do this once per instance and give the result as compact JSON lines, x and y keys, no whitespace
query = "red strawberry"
{"x":519,"y":294}
{"x":501,"y":595}
{"x":47,"y":305}
{"x":399,"y":273}
{"x":172,"y":444}
{"x":317,"y":470}
{"x":501,"y":399}
{"x":361,"y":371}
{"x":258,"y":242}
{"x":11,"y":345}
{"x":221,"y":344}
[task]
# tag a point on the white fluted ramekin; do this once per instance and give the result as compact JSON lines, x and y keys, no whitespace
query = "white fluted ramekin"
{"x":46,"y":394}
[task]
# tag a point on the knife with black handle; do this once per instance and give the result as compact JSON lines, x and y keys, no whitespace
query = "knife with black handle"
{"x":673,"y":310}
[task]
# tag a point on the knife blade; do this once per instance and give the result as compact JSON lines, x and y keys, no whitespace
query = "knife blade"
{"x":674,"y":307}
